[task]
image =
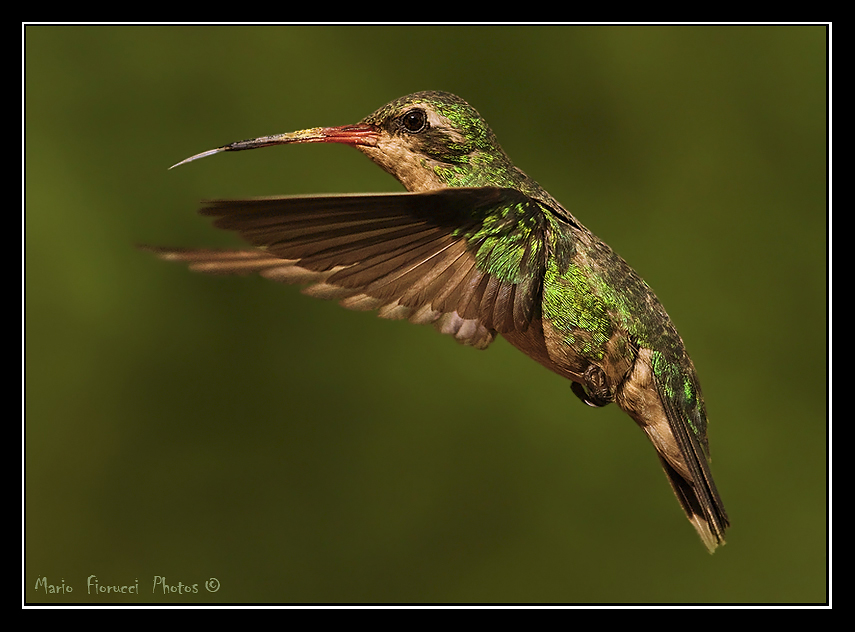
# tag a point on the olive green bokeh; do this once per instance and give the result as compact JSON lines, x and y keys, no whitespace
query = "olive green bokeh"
{"x":190,"y":427}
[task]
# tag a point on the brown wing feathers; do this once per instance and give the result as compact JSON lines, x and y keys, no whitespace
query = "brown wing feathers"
{"x":402,"y":254}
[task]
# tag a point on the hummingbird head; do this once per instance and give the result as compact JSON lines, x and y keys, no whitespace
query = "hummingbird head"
{"x":427,"y":140}
{"x":433,"y":140}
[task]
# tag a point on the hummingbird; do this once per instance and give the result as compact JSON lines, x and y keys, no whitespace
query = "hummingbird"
{"x":479,"y":249}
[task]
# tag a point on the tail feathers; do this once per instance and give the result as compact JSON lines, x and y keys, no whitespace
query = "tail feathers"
{"x":676,"y":425}
{"x":703,"y":507}
{"x":690,"y":474}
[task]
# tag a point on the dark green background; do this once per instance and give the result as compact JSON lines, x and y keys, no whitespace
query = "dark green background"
{"x":190,"y":427}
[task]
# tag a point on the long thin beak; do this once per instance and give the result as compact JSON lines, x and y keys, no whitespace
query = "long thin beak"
{"x":359,"y":134}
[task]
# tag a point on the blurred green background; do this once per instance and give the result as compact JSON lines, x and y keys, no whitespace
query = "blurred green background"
{"x":189,"y":427}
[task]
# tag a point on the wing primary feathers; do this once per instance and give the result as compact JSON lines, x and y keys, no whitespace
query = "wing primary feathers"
{"x":407,"y":255}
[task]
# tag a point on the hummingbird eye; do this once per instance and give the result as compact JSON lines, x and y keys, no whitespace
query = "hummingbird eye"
{"x":414,"y":121}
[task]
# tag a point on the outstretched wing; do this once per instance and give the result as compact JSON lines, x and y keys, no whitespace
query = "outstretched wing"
{"x":468,"y":260}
